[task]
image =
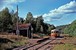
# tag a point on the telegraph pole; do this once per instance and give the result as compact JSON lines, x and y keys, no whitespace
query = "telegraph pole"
{"x":17,"y":28}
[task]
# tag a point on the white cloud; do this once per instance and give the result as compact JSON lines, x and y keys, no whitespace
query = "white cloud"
{"x":35,"y":16}
{"x":62,"y":10}
{"x":8,"y":6}
{"x":9,"y":3}
{"x":68,"y":6}
{"x":12,"y":1}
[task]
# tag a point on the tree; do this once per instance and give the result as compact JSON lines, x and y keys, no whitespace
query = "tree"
{"x":41,"y":29}
{"x":39,"y":22}
{"x":14,"y":18}
{"x":29,"y":18}
{"x":50,"y":27}
{"x":21,"y":20}
{"x":45,"y":28}
{"x":5,"y":19}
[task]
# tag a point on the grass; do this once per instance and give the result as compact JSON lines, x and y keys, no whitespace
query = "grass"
{"x":69,"y":44}
{"x":11,"y":40}
{"x":65,"y":47}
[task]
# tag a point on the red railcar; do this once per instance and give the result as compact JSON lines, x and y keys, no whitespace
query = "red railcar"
{"x":55,"y":33}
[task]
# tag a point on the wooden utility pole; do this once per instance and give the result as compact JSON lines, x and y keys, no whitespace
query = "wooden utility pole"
{"x":17,"y":29}
{"x":31,"y":32}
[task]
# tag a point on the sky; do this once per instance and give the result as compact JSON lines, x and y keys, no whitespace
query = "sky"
{"x":56,"y":12}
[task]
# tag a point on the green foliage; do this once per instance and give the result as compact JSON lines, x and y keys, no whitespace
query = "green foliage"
{"x":14,"y":18}
{"x":21,"y":20}
{"x":5,"y":19}
{"x":8,"y":20}
{"x":29,"y":18}
{"x":71,"y":29}
{"x":38,"y":24}
{"x":68,"y":29}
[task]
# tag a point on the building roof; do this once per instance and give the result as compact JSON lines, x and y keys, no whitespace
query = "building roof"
{"x":23,"y":26}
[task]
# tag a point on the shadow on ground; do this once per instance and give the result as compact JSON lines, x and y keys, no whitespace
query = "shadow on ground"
{"x":4,"y":40}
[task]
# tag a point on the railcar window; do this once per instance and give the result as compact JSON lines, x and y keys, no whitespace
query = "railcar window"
{"x":57,"y":31}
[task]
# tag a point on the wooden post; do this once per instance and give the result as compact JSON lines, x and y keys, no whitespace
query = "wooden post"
{"x":31,"y":32}
{"x":17,"y":30}
{"x":27,"y":33}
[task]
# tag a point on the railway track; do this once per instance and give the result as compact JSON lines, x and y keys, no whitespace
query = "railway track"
{"x":40,"y":45}
{"x":45,"y":45}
